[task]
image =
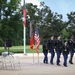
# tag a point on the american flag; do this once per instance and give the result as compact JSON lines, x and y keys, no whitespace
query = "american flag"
{"x":24,"y":13}
{"x":37,"y":40}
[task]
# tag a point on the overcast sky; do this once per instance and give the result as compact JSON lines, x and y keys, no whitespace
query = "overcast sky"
{"x":60,"y":6}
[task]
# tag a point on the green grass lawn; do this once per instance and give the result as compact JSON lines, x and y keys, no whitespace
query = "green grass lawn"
{"x":20,"y":49}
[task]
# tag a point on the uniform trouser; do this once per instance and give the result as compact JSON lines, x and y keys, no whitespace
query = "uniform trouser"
{"x":45,"y":58}
{"x":65,"y":59}
{"x":71,"y":55}
{"x":52,"y":56}
{"x":58,"y":56}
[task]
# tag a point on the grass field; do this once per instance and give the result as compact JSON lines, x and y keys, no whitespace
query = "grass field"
{"x":20,"y":49}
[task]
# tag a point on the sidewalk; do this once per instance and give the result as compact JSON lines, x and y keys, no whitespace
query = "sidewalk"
{"x":28,"y":67}
{"x":21,"y":55}
{"x":29,"y":55}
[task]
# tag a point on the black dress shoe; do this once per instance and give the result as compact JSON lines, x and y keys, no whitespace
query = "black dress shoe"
{"x":43,"y":62}
{"x":65,"y":65}
{"x":59,"y":60}
{"x":70,"y":62}
{"x":58,"y":64}
{"x":46,"y":62}
{"x":51,"y":63}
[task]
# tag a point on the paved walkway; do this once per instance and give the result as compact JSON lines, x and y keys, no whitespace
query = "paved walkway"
{"x":30,"y":66}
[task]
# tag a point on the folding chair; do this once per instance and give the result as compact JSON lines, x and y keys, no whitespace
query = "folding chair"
{"x":10,"y":61}
{"x":7,"y":60}
{"x":1,"y":62}
{"x":16,"y":62}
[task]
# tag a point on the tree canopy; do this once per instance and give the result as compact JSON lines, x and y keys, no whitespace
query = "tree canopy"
{"x":48,"y":22}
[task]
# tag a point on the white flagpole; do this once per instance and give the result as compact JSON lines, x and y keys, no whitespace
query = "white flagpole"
{"x":24,"y":39}
{"x":24,"y":28}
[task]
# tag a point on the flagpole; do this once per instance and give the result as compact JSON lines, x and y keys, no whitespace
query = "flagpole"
{"x":24,"y":14}
{"x":33,"y":57}
{"x":38,"y":58}
{"x":24,"y":40}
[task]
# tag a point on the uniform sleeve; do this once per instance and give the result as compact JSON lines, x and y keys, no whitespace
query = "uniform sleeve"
{"x":48,"y":45}
{"x":43,"y":47}
{"x":55,"y":43}
{"x":74,"y":43}
{"x":63,"y":48}
{"x":68,"y":42}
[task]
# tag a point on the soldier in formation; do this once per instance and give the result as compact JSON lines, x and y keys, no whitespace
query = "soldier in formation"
{"x":58,"y":46}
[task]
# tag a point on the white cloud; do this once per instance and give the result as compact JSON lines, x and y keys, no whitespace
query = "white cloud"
{"x":35,"y":2}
